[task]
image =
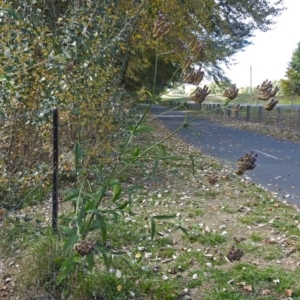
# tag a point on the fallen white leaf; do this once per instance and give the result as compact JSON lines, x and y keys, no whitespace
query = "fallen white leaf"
{"x":132,"y":294}
{"x":118,"y":274}
{"x":165,"y":277}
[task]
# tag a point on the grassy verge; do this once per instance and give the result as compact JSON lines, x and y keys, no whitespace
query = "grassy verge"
{"x":241,"y":242}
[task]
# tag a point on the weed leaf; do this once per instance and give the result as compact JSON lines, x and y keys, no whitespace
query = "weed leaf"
{"x":66,"y":269}
{"x":143,"y":128}
{"x":153,"y":227}
{"x":164,"y":217}
{"x":73,"y":195}
{"x":107,"y":258}
{"x":78,"y":154}
{"x":2,"y":77}
{"x":116,"y":191}
{"x":122,"y":206}
{"x":184,"y":230}
{"x":90,"y":260}
{"x":73,"y":239}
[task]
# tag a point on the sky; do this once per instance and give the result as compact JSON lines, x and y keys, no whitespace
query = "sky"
{"x":271,"y":51}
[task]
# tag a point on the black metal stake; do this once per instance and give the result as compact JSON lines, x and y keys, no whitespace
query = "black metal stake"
{"x":55,"y":171}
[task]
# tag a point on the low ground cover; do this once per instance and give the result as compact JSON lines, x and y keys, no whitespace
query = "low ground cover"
{"x":228,"y":239}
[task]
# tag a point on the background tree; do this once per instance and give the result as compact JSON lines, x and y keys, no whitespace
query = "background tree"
{"x":291,"y":85}
{"x":244,"y":90}
{"x":224,"y":27}
{"x":278,"y":83}
{"x":217,"y":88}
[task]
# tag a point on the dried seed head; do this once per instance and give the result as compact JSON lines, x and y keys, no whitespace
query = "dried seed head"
{"x":231,"y":92}
{"x":271,"y":104}
{"x":246,"y":162}
{"x":237,"y":108}
{"x":187,"y":63}
{"x":234,"y":255}
{"x":196,"y":47}
{"x":85,"y":247}
{"x":265,"y":90}
{"x":180,"y":46}
{"x":193,"y":76}
{"x":199,"y":95}
{"x":161,"y":26}
{"x":212,"y":179}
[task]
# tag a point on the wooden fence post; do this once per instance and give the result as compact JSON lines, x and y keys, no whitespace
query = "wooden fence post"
{"x":248,"y":113}
{"x":260,"y":114}
{"x":229,"y":111}
{"x":278,"y":116}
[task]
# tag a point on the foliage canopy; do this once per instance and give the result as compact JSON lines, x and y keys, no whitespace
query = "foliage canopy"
{"x":291,"y":85}
{"x":224,"y":26}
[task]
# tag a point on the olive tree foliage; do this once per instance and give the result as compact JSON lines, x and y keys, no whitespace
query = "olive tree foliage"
{"x":60,"y":56}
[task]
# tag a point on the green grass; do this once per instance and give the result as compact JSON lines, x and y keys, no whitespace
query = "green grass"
{"x":227,"y":287}
{"x":162,"y":267}
{"x":207,"y":239}
{"x":256,"y":237}
{"x":196,"y":213}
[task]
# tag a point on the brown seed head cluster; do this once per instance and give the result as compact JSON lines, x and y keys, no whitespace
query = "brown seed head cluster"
{"x":234,"y":254}
{"x":246,"y":162}
{"x":187,"y":64}
{"x":193,"y":76}
{"x":269,"y":106}
{"x":85,"y":247}
{"x":196,"y":47}
{"x":161,"y":26}
{"x":199,"y":95}
{"x":231,"y":92}
{"x":212,"y":179}
{"x":265,"y":91}
{"x":237,"y":108}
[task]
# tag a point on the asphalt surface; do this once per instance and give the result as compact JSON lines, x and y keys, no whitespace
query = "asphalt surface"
{"x":278,"y":162}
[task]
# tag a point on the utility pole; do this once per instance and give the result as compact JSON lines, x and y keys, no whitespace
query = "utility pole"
{"x":250,"y":80}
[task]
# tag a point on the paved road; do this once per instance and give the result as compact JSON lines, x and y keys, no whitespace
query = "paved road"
{"x":278,"y":163}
